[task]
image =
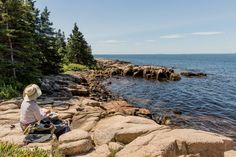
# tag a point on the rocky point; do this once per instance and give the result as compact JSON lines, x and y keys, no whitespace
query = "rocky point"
{"x":107,"y":126}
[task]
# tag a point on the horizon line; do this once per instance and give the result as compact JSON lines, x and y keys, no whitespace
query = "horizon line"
{"x":173,"y":53}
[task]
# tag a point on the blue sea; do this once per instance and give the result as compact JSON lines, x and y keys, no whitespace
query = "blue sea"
{"x":207,"y":103}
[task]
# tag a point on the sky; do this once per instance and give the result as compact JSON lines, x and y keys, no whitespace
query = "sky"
{"x":149,"y":26}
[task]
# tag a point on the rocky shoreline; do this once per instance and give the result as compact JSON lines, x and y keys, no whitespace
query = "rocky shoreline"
{"x":106,"y":126}
{"x":160,"y":73}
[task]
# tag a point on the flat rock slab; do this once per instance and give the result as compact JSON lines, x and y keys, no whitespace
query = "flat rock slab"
{"x":123,"y":129}
{"x":14,"y":139}
{"x":89,"y":102}
{"x":75,"y":142}
{"x":124,"y":108}
{"x":87,"y":117}
{"x":9,"y":116}
{"x":8,"y":129}
{"x":115,"y":146}
{"x":6,"y":106}
{"x":101,"y":151}
{"x":177,"y":142}
{"x":231,"y":153}
{"x":12,"y":134}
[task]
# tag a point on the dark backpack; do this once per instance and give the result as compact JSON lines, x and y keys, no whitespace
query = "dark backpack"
{"x":43,"y":130}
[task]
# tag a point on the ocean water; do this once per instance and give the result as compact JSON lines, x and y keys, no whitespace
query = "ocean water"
{"x":207,"y":103}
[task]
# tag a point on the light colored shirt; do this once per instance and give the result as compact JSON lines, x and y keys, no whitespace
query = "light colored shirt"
{"x":30,"y":112}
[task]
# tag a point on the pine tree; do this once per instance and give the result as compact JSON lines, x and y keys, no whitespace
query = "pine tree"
{"x":50,"y":60}
{"x":61,"y":45}
{"x":19,"y":60}
{"x":78,"y":50}
{"x":6,"y":48}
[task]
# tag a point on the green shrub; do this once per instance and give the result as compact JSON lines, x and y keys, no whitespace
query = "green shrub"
{"x":74,"y":67}
{"x":94,"y":67}
{"x":11,"y":150}
{"x":8,"y":91}
{"x":9,"y":88}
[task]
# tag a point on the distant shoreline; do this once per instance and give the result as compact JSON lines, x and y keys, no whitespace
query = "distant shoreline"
{"x":233,"y":53}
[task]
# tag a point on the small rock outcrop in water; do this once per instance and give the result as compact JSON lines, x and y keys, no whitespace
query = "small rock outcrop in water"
{"x":193,"y":74}
{"x":115,"y":67}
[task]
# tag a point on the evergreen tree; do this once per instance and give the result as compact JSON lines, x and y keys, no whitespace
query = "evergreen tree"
{"x":50,"y":58}
{"x":19,"y":58}
{"x":30,"y":47}
{"x":78,"y":50}
{"x":61,"y":45}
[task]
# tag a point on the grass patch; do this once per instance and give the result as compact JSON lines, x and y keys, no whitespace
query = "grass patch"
{"x":11,"y":150}
{"x":74,"y":67}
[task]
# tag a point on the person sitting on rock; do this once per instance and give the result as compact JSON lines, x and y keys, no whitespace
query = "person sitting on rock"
{"x":30,"y":112}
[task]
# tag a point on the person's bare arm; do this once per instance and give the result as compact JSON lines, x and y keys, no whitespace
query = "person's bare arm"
{"x":37,"y":113}
{"x":45,"y":111}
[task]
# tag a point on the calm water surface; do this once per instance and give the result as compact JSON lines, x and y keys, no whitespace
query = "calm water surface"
{"x":206,"y":103}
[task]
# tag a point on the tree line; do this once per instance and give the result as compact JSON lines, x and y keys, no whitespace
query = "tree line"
{"x":30,"y":47}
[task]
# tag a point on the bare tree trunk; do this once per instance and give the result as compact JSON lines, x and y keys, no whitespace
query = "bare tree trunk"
{"x":12,"y":57}
{"x":12,"y":54}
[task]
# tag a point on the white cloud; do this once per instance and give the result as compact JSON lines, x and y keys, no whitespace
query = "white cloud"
{"x":150,"y":41}
{"x":176,"y":36}
{"x":206,"y":33}
{"x":114,"y":41}
{"x":171,"y":36}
